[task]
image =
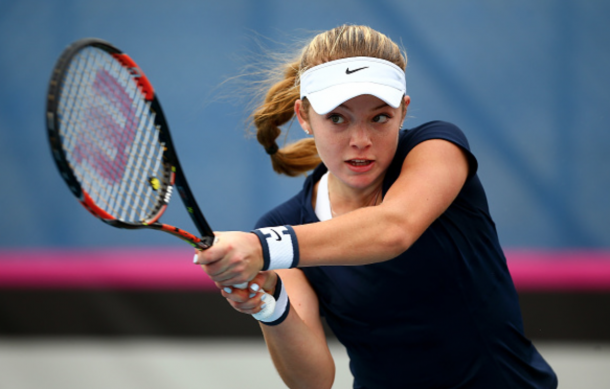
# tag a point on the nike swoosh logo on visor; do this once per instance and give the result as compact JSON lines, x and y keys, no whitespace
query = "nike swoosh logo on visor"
{"x":347,"y":71}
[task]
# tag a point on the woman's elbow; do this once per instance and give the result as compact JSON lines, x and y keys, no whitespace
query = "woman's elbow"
{"x":399,"y":236}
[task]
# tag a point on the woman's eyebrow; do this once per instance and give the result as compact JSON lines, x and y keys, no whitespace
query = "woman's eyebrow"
{"x":380,"y":106}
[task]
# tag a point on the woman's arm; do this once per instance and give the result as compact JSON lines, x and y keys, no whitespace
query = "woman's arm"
{"x":297,"y":345}
{"x":432,"y":176}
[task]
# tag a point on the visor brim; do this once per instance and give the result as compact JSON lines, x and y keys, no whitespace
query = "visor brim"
{"x":326,"y":100}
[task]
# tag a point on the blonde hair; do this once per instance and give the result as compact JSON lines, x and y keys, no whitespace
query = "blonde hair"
{"x":277,"y":108}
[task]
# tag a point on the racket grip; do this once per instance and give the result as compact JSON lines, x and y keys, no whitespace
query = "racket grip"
{"x":267,"y":311}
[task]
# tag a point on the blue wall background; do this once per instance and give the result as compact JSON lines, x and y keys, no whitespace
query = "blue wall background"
{"x":527,"y":81}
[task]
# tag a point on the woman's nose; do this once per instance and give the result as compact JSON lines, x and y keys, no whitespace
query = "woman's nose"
{"x":360,"y":137}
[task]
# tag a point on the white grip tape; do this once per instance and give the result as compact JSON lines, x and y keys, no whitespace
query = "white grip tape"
{"x":266,"y":314}
{"x":280,"y":306}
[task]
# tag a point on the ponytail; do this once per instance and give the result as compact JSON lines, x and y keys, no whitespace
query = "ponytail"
{"x":276,"y":110}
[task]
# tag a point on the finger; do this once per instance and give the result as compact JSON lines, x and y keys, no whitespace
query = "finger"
{"x":265,"y":280}
{"x":229,"y":275}
{"x":238,"y":297}
{"x":230,"y":271}
{"x":201,"y":259}
{"x":235,"y":294}
{"x":250,"y":307}
{"x":237,"y":307}
{"x":213,"y":254}
{"x":213,"y":276}
{"x":240,"y":291}
{"x":232,"y":277}
{"x":225,"y":268}
{"x":244,"y":287}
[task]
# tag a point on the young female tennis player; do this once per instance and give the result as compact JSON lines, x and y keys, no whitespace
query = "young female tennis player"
{"x":390,"y":238}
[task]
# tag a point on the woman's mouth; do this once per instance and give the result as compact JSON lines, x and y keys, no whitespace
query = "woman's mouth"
{"x":360,"y":165}
{"x":359,"y":162}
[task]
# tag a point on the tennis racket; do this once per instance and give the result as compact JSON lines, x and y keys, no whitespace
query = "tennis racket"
{"x":112,"y":145}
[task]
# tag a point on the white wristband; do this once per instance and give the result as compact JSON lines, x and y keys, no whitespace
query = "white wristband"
{"x":280,"y":247}
{"x":282,"y":305}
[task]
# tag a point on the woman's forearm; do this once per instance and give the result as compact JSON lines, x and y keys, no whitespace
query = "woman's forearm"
{"x":382,"y":236}
{"x":301,"y":356}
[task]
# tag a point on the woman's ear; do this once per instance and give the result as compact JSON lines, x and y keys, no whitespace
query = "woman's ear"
{"x":302,"y":116}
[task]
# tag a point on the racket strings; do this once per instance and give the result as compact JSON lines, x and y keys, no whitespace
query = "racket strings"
{"x":92,"y":141}
{"x":110,"y":138}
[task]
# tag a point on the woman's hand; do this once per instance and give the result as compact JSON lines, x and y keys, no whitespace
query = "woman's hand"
{"x":235,"y":258}
{"x":248,"y":300}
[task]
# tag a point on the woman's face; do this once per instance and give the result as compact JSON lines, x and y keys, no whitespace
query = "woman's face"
{"x":357,"y":140}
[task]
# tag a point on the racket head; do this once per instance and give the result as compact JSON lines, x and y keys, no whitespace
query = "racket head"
{"x":110,"y":140}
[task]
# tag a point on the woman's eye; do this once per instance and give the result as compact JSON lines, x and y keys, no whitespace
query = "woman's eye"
{"x":336,"y":119}
{"x":381,"y":118}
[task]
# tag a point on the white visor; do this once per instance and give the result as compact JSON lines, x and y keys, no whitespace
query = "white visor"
{"x":331,"y":84}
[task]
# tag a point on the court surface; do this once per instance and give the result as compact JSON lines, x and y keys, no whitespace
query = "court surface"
{"x":218,"y":364}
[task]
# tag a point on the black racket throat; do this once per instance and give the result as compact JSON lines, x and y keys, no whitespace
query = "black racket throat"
{"x":188,"y":199}
{"x":111,"y":142}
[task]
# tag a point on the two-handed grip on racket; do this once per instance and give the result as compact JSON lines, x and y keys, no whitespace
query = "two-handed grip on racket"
{"x":266,"y":312}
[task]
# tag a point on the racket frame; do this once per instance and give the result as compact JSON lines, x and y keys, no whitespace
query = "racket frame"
{"x":170,"y":157}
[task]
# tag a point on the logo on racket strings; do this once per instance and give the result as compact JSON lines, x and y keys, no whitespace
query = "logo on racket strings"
{"x":110,"y":112}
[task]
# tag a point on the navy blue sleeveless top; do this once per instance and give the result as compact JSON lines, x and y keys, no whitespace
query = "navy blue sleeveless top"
{"x":443,"y":314}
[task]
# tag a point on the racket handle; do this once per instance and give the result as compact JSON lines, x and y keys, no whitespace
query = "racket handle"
{"x":266,"y":312}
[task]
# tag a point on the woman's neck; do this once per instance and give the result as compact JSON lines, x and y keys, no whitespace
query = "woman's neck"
{"x":344,"y":199}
